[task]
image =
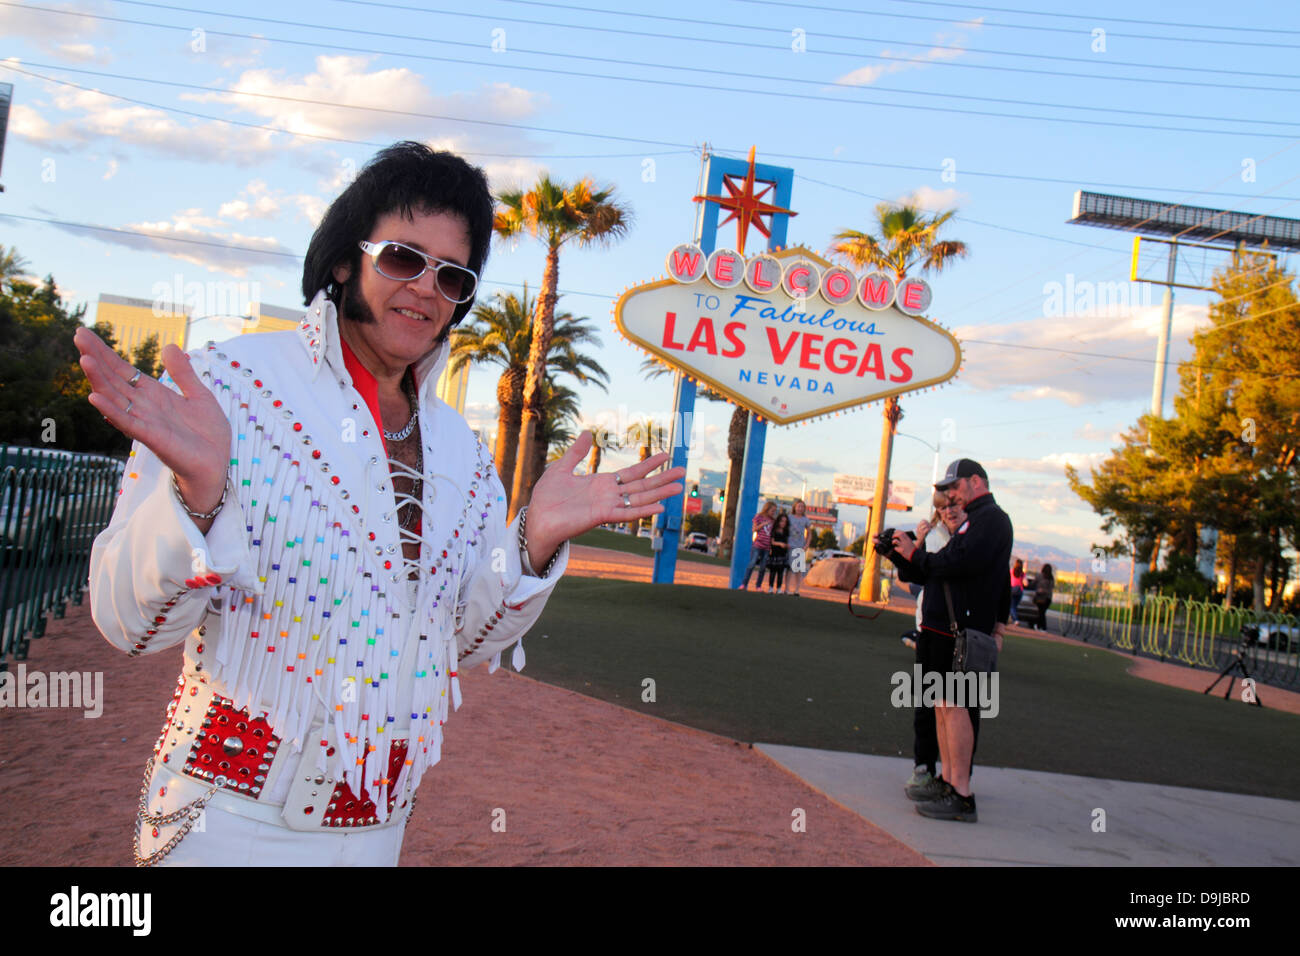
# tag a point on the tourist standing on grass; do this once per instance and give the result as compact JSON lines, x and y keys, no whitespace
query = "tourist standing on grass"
{"x":933,"y":535}
{"x":973,"y":566}
{"x":1017,"y":588}
{"x":326,"y":539}
{"x":763,"y":522}
{"x":779,"y":559}
{"x":799,"y":531}
{"x":1043,"y":589}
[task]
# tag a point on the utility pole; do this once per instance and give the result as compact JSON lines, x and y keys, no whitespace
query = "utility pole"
{"x":870,"y":586}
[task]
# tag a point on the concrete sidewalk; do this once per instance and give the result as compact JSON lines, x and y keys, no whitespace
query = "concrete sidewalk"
{"x":1028,"y":818}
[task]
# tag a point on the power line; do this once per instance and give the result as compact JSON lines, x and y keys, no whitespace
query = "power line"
{"x":1016,"y":26}
{"x":149,"y":235}
{"x":1091,"y":18}
{"x":748,"y":91}
{"x":784,"y":46}
{"x":677,"y":147}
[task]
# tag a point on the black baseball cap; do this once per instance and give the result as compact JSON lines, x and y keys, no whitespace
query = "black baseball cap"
{"x":961,"y":468}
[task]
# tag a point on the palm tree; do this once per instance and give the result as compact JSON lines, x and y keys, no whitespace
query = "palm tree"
{"x":651,"y":437}
{"x":12,"y":265}
{"x":555,"y":213}
{"x":907,"y":241}
{"x":500,"y":332}
{"x":561,"y":412}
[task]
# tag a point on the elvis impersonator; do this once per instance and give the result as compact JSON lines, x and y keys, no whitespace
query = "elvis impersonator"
{"x":327,"y":538}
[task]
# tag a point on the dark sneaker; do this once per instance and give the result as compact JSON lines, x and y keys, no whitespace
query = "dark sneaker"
{"x":933,"y":789}
{"x":952,"y":806}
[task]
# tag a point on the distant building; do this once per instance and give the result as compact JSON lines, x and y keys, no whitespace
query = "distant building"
{"x":134,"y":320}
{"x":270,"y":318}
{"x":818,"y":498}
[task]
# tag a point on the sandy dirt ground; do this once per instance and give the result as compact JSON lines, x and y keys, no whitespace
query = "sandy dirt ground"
{"x":579,"y":780}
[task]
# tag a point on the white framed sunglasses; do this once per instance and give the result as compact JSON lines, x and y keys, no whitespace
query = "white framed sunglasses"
{"x":402,"y":263}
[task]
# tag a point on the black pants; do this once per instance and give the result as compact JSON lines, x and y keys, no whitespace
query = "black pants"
{"x":777,"y":572}
{"x":1042,"y":614}
{"x":934,"y":652}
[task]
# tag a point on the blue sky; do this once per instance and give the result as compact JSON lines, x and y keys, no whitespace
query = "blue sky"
{"x":999,"y":113}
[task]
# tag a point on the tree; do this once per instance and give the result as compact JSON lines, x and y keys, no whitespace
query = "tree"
{"x":826,"y":539}
{"x":500,"y":332}
{"x":906,"y":242}
{"x":1227,"y":456}
{"x":708,"y":524}
{"x":146,"y":357}
{"x":12,"y":265}
{"x":555,"y":213}
{"x":649,"y":437}
{"x":43,"y":392}
{"x":560,"y":415}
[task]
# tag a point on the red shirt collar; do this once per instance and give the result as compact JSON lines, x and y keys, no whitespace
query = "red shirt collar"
{"x":366,"y":384}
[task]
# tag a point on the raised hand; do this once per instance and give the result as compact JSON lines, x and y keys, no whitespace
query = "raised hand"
{"x":564,"y":504}
{"x":187,"y":431}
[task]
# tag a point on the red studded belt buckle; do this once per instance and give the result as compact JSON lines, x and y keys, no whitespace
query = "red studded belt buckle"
{"x":232,"y":749}
{"x":346,"y":809}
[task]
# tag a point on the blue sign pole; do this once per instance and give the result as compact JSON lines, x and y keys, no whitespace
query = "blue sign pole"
{"x":668,"y":526}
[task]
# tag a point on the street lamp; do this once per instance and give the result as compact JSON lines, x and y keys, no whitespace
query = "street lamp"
{"x":934,"y":474}
{"x":803,"y":491}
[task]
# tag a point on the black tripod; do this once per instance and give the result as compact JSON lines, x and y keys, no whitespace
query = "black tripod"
{"x":1238,"y":667}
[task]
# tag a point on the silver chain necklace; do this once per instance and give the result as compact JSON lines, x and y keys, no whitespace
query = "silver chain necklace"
{"x":410,"y":425}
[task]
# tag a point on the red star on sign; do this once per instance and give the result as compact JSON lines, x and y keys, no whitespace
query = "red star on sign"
{"x":746,"y":206}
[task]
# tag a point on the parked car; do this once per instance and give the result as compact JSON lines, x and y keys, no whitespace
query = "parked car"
{"x":697,"y":541}
{"x":832,"y":553}
{"x":1027,"y":610}
{"x":644,"y":533}
{"x":1278,"y":637}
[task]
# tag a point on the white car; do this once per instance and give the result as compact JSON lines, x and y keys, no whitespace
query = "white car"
{"x":644,"y":533}
{"x":832,"y":553}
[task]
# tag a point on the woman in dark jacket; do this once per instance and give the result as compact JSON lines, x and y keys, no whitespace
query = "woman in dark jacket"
{"x":1043,"y":594}
{"x":779,"y":559}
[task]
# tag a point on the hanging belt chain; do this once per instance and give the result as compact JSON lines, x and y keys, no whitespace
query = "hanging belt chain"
{"x":191,"y":813}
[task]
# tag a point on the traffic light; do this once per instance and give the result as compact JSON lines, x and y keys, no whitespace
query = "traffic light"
{"x":695,"y":491}
{"x":722,"y":494}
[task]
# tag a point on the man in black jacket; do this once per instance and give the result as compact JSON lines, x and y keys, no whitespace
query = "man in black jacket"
{"x":974,"y":564}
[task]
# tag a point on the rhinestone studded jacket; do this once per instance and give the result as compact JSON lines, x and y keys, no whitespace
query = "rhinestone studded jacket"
{"x":297,"y":603}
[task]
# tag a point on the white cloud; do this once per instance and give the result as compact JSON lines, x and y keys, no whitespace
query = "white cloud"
{"x":933,"y":200}
{"x":1053,"y":464}
{"x":1091,"y":432}
{"x":947,"y":47}
{"x":112,"y":169}
{"x":208,"y":244}
{"x":338,"y":82}
{"x":49,"y":30}
{"x":1130,"y":331}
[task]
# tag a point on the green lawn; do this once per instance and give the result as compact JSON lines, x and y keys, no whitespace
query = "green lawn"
{"x":603,"y":538}
{"x":758,"y":667}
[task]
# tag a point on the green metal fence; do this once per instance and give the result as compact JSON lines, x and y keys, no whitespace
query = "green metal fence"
{"x":1196,"y":633}
{"x":52,"y":505}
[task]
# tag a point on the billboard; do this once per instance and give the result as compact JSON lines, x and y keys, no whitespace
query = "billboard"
{"x":861,"y":490}
{"x":788,"y":335}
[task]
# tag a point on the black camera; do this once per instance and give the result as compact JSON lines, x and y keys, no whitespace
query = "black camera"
{"x":884,"y":542}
